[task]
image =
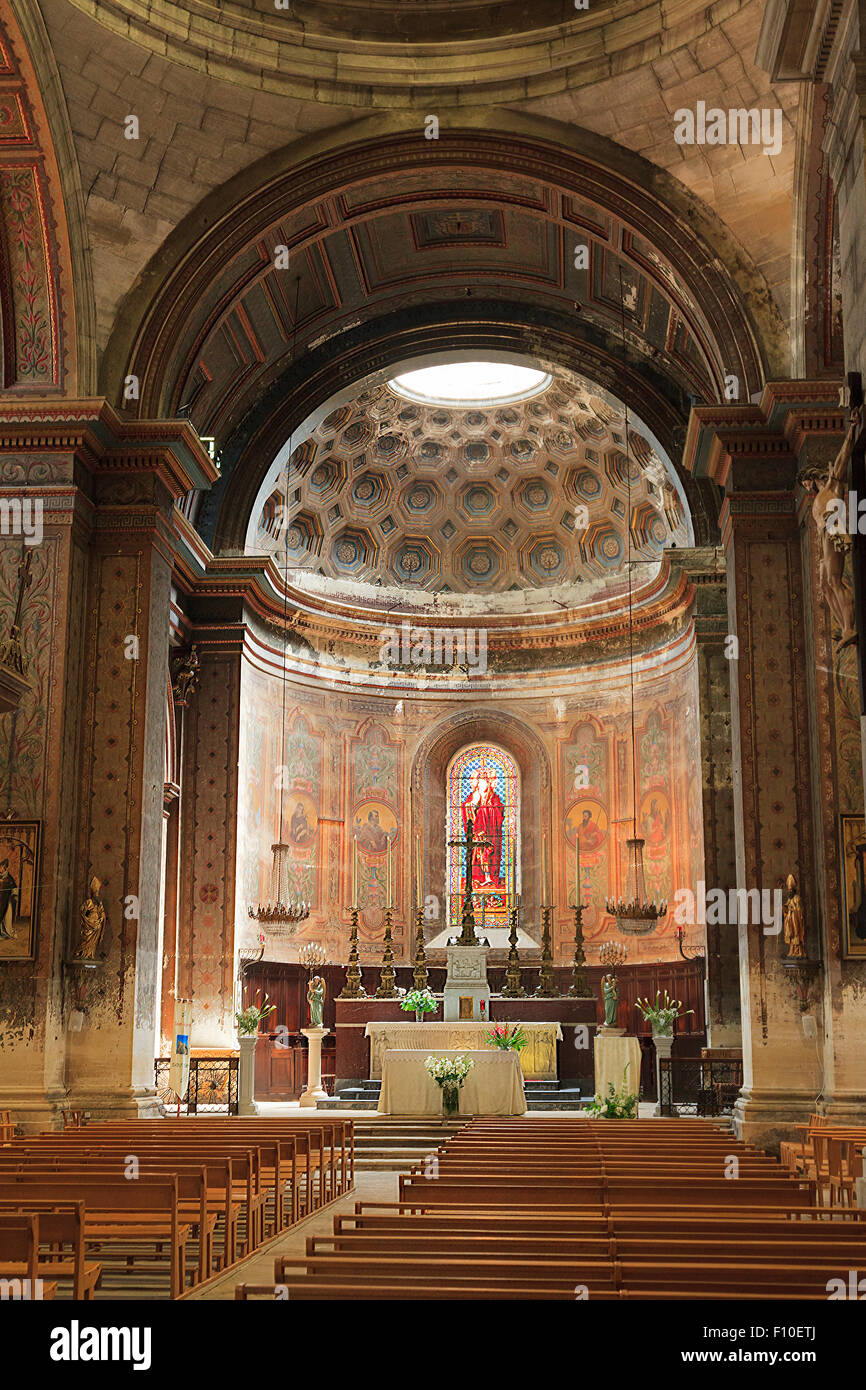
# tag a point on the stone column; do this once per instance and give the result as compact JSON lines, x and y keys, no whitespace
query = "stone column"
{"x":206,"y":944}
{"x":771,"y":754}
{"x":122,"y":755}
{"x":97,"y":632}
{"x":706,"y":568}
{"x":314,"y":1091}
{"x":247,"y":1076}
{"x":663,"y":1044}
{"x":40,"y":465}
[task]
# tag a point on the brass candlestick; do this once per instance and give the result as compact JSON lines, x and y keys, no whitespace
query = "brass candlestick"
{"x":579,"y":984}
{"x":546,"y":984}
{"x":513,"y":989}
{"x":387,"y":979}
{"x":420,"y":974}
{"x":353,"y":988}
{"x":613,"y":954}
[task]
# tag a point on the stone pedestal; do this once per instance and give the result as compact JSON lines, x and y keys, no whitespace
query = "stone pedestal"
{"x":663,"y":1043}
{"x":314,"y":1090}
{"x":466,"y":979}
{"x":246,"y":1076}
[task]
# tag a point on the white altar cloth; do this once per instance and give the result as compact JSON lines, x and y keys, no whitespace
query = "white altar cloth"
{"x":494,"y":1086}
{"x":616,"y":1059}
{"x":537,"y":1060}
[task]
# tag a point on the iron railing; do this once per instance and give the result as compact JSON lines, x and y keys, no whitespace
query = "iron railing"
{"x":699,"y":1086}
{"x":212,"y":1089}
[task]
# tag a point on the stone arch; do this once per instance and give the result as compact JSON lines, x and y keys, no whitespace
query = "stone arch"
{"x":46,"y":294}
{"x":220,"y":254}
{"x":428,"y":791}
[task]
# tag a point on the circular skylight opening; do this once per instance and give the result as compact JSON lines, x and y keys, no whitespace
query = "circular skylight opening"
{"x":471,"y":384}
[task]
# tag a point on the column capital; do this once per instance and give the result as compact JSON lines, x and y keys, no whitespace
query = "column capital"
{"x":766,"y":436}
{"x":95,"y":439}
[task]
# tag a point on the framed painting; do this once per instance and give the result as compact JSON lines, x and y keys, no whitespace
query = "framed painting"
{"x":853,"y":847}
{"x":20,"y":849}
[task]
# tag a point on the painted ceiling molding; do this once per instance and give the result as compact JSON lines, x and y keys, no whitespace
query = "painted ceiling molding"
{"x":37,"y":307}
{"x":395,"y":222}
{"x":394,"y":53}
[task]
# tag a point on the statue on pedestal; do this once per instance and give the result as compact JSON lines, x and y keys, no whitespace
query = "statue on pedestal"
{"x":316,"y":1000}
{"x":610,"y":991}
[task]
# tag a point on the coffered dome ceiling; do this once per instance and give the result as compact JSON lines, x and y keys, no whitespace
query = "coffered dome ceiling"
{"x":464,"y":499}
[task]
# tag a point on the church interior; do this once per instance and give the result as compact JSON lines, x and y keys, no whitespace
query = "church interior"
{"x":432,"y":649}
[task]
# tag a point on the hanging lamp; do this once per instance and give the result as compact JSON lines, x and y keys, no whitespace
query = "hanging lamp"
{"x":282,"y":914}
{"x":635,"y":914}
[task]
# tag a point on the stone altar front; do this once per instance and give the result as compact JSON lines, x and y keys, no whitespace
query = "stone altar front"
{"x":538,"y":1059}
{"x":494,"y":1086}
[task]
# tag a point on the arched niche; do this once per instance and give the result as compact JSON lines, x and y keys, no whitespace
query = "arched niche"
{"x":428,"y":791}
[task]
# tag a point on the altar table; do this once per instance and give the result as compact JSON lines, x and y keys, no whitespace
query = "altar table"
{"x":494,"y":1086}
{"x":538,"y":1059}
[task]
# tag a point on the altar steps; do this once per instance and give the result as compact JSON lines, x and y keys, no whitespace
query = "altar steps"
{"x":540,"y":1095}
{"x":386,"y":1144}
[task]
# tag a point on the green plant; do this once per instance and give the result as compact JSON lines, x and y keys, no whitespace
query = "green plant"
{"x":616,"y":1105}
{"x":420,"y":1000}
{"x":663,"y":1014}
{"x":499,"y":1036}
{"x":247,"y":1020}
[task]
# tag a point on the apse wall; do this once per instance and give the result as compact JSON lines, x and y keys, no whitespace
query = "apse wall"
{"x":350,"y":752}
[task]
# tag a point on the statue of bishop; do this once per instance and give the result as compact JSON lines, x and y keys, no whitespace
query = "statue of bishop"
{"x":91,"y":924}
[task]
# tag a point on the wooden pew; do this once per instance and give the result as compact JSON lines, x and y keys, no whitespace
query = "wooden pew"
{"x":61,"y":1224}
{"x":115,"y":1211}
{"x":19,"y":1258}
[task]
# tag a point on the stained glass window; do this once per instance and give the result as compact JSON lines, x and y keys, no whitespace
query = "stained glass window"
{"x":484,"y":787}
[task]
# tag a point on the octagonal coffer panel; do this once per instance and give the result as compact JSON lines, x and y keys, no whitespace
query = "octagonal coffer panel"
{"x":469,"y":499}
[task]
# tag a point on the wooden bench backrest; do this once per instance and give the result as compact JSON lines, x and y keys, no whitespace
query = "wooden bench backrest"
{"x":19,"y":1242}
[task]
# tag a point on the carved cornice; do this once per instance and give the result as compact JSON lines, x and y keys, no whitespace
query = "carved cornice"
{"x":231,"y":588}
{"x":104,"y":442}
{"x":405,"y":53}
{"x":796,"y":38}
{"x":772,"y":431}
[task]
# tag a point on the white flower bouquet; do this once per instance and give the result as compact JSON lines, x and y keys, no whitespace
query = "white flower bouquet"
{"x":449,"y":1073}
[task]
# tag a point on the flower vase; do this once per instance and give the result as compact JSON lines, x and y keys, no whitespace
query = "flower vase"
{"x":450,"y":1100}
{"x":419,"y":1015}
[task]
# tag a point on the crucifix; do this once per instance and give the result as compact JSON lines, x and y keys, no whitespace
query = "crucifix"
{"x":467,"y":916}
{"x":11,"y":653}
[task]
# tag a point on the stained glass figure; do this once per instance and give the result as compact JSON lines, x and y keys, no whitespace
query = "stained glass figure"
{"x":484,"y":791}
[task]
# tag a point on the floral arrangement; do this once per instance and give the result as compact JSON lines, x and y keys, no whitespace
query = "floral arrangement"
{"x":616,"y":1105}
{"x":449,"y":1073}
{"x":247,"y":1020}
{"x":663,"y":1014}
{"x":421,"y":1000}
{"x":513,"y":1041}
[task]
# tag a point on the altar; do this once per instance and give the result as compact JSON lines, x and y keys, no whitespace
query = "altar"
{"x":494,"y":1086}
{"x":537,"y":1060}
